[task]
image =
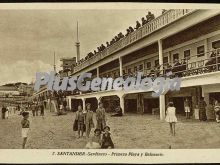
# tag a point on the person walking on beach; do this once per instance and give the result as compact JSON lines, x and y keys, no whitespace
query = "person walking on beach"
{"x":80,"y":117}
{"x":202,"y":109}
{"x":7,"y":113}
{"x":25,"y":124}
{"x":89,"y":120}
{"x":3,"y":111}
{"x":41,"y":108}
{"x":100,"y":117}
{"x":171,"y":117}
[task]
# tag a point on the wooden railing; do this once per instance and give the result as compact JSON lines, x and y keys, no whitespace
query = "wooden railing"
{"x":159,"y":22}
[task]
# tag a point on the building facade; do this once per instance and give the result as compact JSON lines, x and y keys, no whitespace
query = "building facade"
{"x":188,"y":37}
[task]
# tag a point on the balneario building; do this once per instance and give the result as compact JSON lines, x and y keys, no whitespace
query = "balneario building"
{"x":184,"y":41}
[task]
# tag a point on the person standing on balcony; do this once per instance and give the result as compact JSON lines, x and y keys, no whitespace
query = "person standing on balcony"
{"x":202,"y":109}
{"x":176,"y":68}
{"x":100,"y":117}
{"x":116,"y":38}
{"x":107,"y":44}
{"x":131,"y":29}
{"x":120,"y":35}
{"x":113,"y":41}
{"x":144,"y":21}
{"x":150,"y":16}
{"x":128,"y":32}
{"x":187,"y":108}
{"x":138,"y":25}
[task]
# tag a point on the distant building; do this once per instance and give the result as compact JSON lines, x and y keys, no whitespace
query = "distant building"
{"x":188,"y":40}
{"x":8,"y":91}
{"x":16,"y":92}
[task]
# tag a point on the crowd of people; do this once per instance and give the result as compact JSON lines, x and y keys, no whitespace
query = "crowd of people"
{"x":213,"y":62}
{"x":84,"y":123}
{"x":7,"y":110}
{"x":144,"y":20}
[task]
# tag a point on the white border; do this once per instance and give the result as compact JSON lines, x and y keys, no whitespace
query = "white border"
{"x":170,"y":156}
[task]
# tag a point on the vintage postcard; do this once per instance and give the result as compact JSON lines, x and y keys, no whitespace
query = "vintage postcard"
{"x":109,"y":83}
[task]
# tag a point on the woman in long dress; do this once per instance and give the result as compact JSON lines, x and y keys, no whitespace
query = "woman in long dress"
{"x":202,"y":110}
{"x":171,"y":117}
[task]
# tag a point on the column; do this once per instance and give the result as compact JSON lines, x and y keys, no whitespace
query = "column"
{"x":122,"y":103}
{"x":160,"y":48}
{"x":120,"y":66}
{"x":206,"y":48}
{"x":97,"y":71}
{"x":69,"y":102}
{"x":84,"y":103}
{"x":162,"y":107}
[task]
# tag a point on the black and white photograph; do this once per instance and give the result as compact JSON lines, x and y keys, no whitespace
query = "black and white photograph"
{"x":109,"y":78}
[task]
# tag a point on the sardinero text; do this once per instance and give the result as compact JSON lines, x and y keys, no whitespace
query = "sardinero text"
{"x":85,"y":82}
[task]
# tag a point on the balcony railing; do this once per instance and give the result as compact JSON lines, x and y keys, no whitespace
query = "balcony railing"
{"x":193,"y":65}
{"x":159,"y":22}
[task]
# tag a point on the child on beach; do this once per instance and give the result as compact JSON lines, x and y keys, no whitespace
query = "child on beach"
{"x":171,"y":117}
{"x":25,"y":124}
{"x":106,"y":139}
{"x":95,"y":141}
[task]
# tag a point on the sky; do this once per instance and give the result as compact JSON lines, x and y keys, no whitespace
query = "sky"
{"x":29,"y":38}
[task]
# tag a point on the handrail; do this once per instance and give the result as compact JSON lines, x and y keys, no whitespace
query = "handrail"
{"x":157,"y":23}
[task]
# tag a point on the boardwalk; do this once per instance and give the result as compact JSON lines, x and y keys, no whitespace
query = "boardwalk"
{"x":130,"y":131}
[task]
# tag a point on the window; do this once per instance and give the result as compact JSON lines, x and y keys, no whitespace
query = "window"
{"x":176,"y":56}
{"x":165,"y":60}
{"x":216,"y":44}
{"x":148,"y":65}
{"x":156,"y":62}
{"x":200,"y":51}
{"x":187,"y":54}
